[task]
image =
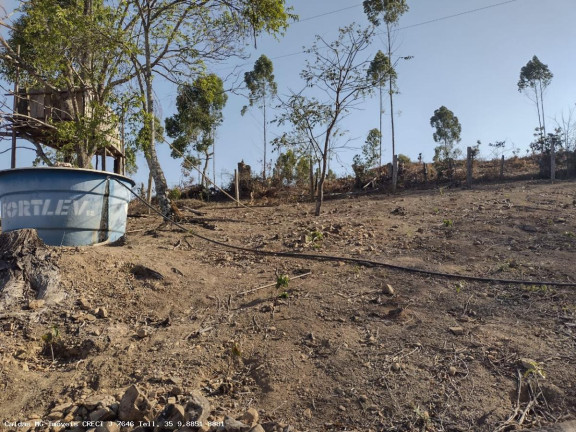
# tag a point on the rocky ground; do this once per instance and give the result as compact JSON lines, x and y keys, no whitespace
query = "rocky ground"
{"x":171,"y":329}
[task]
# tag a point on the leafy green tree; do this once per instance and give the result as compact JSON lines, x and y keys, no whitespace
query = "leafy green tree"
{"x":91,"y":62}
{"x":338,"y":70}
{"x":370,"y":149}
{"x":260,"y":82}
{"x":534,"y":78}
{"x":380,"y":73}
{"x":292,"y":168}
{"x":389,"y":12}
{"x":403,"y":159}
{"x":447,"y":134}
{"x":199,"y":112}
{"x":174,"y":38}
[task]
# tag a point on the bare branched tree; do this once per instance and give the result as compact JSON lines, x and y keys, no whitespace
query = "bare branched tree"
{"x":338,"y":71}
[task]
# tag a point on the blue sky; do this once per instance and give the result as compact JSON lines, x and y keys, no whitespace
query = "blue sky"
{"x":470,"y":63}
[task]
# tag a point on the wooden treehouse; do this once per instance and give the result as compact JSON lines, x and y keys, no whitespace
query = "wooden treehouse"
{"x":36,"y":110}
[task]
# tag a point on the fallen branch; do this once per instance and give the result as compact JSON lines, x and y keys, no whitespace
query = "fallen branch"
{"x":271,"y":284}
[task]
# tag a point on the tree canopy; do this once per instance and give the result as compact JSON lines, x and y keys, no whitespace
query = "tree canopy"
{"x":92,"y":61}
{"x":388,"y":10}
{"x":448,"y":128}
{"x":260,"y":82}
{"x":535,"y":77}
{"x":199,"y":106}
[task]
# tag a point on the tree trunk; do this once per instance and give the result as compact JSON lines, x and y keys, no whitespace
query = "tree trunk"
{"x":205,"y":182}
{"x":320,"y":187}
{"x":152,"y":157}
{"x":391,"y":92}
{"x":541,"y":129}
{"x":380,"y":119}
{"x":264,"y":163}
{"x":150,"y":153}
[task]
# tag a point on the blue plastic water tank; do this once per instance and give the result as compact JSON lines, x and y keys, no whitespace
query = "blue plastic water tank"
{"x":67,"y":206}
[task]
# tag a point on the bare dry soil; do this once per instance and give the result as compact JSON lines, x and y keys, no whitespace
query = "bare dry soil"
{"x":337,"y":345}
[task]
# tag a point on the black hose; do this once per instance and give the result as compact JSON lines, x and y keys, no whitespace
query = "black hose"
{"x":360,"y":261}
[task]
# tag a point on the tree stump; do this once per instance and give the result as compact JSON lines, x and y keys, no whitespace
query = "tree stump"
{"x":28,"y":269}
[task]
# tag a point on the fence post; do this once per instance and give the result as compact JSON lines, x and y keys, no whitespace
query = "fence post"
{"x":502,"y":167}
{"x":469,"y":167}
{"x":425,"y":169}
{"x":237,"y":187}
{"x":394,"y":173}
{"x":552,"y":161}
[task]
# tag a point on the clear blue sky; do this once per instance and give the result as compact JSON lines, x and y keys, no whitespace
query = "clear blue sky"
{"x":470,"y":63}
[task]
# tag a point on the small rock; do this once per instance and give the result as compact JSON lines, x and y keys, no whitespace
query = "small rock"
{"x":134,"y":406}
{"x":101,"y":312}
{"x":98,"y":401}
{"x":176,"y":391}
{"x":8,"y":327}
{"x":171,"y":400}
{"x":101,"y":414}
{"x":452,"y":370}
{"x":64,"y":408}
{"x":396,"y":313}
{"x":458,"y":331}
{"x":363,"y":398}
{"x":342,"y":408}
{"x":89,"y":317}
{"x":250,"y":417}
{"x":388,"y":290}
{"x":55,"y":415}
{"x":396,"y":367}
{"x":307,"y":413}
{"x":84,"y":303}
{"x":257,"y":428}
{"x":172,"y":414}
{"x":198,"y":407}
{"x":233,"y":425}
{"x":142,"y":332}
{"x":36,"y":304}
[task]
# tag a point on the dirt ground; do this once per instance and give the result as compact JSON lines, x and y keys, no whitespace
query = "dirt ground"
{"x":337,"y":345}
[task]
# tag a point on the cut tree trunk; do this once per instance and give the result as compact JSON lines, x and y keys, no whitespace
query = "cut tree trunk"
{"x":27,"y":269}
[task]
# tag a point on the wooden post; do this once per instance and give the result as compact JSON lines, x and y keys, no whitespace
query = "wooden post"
{"x":237,"y":187}
{"x":394,"y":173}
{"x":425,"y":169}
{"x":469,"y":167}
{"x":502,"y":167}
{"x":16,"y":90}
{"x":149,"y":193}
{"x":552,"y":161}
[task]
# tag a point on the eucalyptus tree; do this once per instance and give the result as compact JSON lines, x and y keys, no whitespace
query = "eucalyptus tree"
{"x":380,"y":73}
{"x":447,"y":134}
{"x":260,"y":82}
{"x":199,"y":106}
{"x":535,"y":76}
{"x":338,"y":70}
{"x":389,"y":12}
